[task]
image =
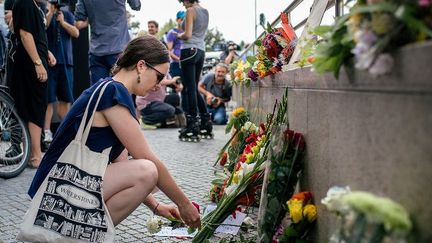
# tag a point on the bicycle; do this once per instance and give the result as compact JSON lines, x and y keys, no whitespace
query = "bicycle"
{"x":14,"y":138}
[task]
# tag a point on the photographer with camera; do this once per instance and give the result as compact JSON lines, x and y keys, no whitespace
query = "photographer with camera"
{"x":230,"y":54}
{"x":217,"y":91}
{"x":60,"y":30}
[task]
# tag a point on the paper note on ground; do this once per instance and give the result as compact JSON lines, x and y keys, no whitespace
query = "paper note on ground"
{"x":230,"y":225}
{"x":178,"y":232}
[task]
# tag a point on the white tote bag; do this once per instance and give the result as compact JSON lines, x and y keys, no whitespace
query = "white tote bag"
{"x":69,"y":205}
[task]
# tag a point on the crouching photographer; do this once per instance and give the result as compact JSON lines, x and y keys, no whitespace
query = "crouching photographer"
{"x":217,"y":91}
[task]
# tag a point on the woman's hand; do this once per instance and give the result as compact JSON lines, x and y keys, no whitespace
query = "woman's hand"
{"x":41,"y":73}
{"x":168,"y":211}
{"x":52,"y":61}
{"x":190,"y":215}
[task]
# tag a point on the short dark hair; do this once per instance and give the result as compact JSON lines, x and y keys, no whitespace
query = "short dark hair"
{"x":146,"y":48}
{"x":153,"y":22}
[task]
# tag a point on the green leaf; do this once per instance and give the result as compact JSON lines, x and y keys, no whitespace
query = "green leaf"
{"x":322,"y":30}
{"x":229,"y":126}
{"x":191,"y":230}
{"x":258,"y":43}
{"x":251,"y":59}
{"x":376,"y":7}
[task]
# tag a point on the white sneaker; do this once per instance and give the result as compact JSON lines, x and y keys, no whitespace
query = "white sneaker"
{"x":48,"y":136}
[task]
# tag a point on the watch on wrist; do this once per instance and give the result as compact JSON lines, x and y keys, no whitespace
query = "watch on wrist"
{"x":38,"y":62}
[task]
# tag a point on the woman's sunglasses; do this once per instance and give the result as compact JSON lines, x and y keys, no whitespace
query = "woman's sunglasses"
{"x":160,"y":76}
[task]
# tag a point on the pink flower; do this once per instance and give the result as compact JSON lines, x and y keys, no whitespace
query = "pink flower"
{"x":425,"y":3}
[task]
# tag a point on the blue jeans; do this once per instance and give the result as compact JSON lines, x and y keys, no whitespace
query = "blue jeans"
{"x":191,"y":63}
{"x":157,"y":112}
{"x":218,"y":114}
{"x":100,"y":66}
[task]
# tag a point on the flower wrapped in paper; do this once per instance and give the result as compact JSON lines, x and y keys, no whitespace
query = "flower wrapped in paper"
{"x":284,"y":165}
{"x":365,"y":217}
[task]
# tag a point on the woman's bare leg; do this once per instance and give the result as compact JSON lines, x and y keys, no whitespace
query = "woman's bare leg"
{"x":35,"y":137}
{"x":126,"y":185}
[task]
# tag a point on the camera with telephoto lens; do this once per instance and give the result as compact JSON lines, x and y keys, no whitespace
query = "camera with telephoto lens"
{"x":214,"y":100}
{"x":232,"y":47}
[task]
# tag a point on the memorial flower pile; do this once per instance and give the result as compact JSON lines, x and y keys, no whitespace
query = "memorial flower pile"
{"x":366,"y":37}
{"x":246,"y":178}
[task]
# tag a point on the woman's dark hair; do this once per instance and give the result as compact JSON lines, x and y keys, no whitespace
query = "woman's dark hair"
{"x":146,"y":48}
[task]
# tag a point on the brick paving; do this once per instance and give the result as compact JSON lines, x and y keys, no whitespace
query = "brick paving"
{"x":190,"y":164}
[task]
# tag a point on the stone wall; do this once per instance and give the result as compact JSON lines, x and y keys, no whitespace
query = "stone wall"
{"x":370,"y":133}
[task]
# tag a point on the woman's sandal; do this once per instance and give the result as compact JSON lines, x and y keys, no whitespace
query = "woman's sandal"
{"x":34,"y":163}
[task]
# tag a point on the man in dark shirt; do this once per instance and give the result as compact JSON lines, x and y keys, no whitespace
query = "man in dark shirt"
{"x":109,"y":31}
{"x":217,"y":91}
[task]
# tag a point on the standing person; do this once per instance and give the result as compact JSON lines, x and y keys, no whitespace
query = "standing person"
{"x":29,"y":87}
{"x":217,"y":91}
{"x":126,"y":182}
{"x":174,"y":45}
{"x":61,"y":29}
{"x":109,"y":32}
{"x":191,"y":60}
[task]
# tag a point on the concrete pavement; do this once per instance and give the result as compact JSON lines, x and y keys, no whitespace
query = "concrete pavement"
{"x":190,"y":164}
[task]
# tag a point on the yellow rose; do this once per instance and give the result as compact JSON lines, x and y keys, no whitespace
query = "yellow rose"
{"x":295,"y":210}
{"x":310,"y":212}
{"x":238,"y":111}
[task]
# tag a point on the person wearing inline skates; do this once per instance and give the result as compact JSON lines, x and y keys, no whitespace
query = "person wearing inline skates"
{"x":217,"y":91}
{"x":191,"y":61}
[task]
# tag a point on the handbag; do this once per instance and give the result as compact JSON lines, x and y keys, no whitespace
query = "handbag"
{"x":69,"y":205}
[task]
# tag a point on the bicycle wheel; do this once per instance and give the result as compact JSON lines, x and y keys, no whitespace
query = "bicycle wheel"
{"x":14,"y":140}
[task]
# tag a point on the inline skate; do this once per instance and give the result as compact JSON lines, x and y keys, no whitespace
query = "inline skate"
{"x":191,"y":131}
{"x":206,"y":126}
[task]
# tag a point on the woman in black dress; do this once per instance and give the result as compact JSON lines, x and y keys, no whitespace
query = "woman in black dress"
{"x":29,"y":74}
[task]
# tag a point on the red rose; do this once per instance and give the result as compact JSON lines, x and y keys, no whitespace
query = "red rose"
{"x":224,"y":158}
{"x":299,"y":141}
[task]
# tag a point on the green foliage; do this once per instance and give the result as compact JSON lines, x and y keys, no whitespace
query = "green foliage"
{"x":212,"y":37}
{"x":331,"y":53}
{"x":165,"y":28}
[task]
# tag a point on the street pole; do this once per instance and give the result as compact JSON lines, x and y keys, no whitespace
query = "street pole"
{"x":256,"y":27}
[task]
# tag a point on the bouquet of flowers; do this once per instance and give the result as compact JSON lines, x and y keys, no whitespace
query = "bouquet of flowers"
{"x":302,"y":213}
{"x":282,"y":172}
{"x":364,"y":217}
{"x":274,"y":50}
{"x":367,"y":35}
